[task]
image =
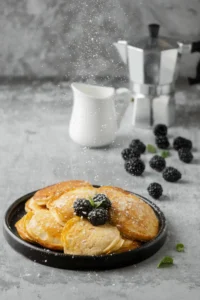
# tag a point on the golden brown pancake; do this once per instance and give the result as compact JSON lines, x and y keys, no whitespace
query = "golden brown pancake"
{"x":54,"y":191}
{"x":134,"y":218}
{"x":62,"y":207}
{"x":21,"y":229}
{"x":80,"y":237}
{"x":31,"y":205}
{"x":43,"y":229}
{"x":128,"y":245}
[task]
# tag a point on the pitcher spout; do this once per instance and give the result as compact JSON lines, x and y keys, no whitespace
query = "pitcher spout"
{"x":121,"y":47}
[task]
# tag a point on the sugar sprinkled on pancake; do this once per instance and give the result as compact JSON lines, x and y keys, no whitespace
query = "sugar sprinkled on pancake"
{"x":62,"y":207}
{"x":43,"y":229}
{"x":134,"y":218}
{"x":21,"y":229}
{"x":31,"y":205}
{"x":54,"y":191}
{"x":51,"y":221}
{"x":80,"y":237}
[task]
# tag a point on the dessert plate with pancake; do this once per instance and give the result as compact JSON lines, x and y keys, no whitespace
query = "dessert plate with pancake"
{"x":77,"y":225}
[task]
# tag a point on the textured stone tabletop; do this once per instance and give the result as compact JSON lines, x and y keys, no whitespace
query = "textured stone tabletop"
{"x":35,"y":150}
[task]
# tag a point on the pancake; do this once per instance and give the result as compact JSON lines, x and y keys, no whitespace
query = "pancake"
{"x":128,"y":245}
{"x":21,"y":229}
{"x":54,"y":191}
{"x":31,"y":205}
{"x":62,"y":207}
{"x":43,"y":229}
{"x":80,"y":237}
{"x":134,"y":218}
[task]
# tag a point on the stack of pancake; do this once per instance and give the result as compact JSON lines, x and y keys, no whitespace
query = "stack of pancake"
{"x":50,"y":220}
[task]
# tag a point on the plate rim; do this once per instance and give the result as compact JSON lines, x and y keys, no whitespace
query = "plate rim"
{"x":47,"y":251}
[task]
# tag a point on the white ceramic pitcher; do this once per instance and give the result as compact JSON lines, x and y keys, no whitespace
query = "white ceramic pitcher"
{"x":95,"y":117}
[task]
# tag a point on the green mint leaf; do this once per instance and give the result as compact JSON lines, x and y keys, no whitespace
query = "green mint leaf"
{"x":91,"y":201}
{"x":165,"y":262}
{"x":151,"y":148}
{"x":180,"y":247}
{"x":98,"y":204}
{"x":165,"y":153}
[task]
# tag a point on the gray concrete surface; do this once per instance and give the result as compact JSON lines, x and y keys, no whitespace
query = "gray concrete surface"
{"x":35,"y":150}
{"x":74,"y":38}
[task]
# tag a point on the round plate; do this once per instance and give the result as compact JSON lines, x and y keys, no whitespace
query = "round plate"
{"x":58,"y":259}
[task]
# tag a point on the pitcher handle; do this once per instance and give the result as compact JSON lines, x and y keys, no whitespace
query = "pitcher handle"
{"x":122,"y":99}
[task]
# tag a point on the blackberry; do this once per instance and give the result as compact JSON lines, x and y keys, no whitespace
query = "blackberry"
{"x":157,"y":163}
{"x":102,"y":201}
{"x":160,"y":130}
{"x":129,"y":153}
{"x":155,"y":190}
{"x":185,"y":155}
{"x":137,"y":146}
{"x":98,"y":216}
{"x":162,"y":142}
{"x":171,"y":174}
{"x":181,"y":142}
{"x":82,"y":207}
{"x":135,"y":166}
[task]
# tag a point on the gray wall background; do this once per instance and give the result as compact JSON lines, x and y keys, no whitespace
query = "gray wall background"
{"x":73,"y":38}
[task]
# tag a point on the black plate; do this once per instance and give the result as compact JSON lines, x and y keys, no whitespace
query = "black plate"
{"x":58,"y":259}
